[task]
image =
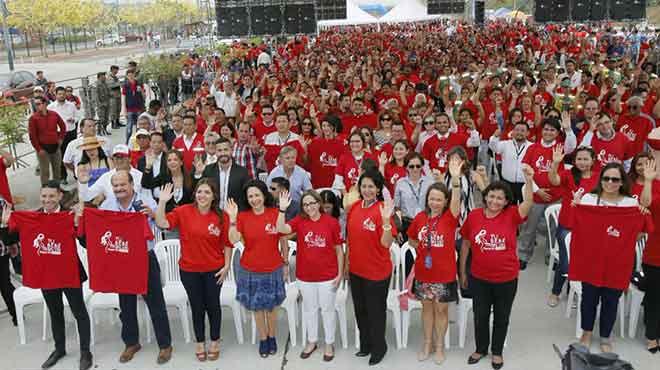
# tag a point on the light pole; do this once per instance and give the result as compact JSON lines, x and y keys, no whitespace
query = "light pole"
{"x":5,"y":35}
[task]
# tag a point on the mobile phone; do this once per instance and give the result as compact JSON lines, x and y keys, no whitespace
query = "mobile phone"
{"x":137,"y":205}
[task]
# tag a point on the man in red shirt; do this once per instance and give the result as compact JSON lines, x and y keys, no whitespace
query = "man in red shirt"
{"x":609,"y":145}
{"x":265,"y":123}
{"x":435,"y":149}
{"x":360,"y":117}
{"x":635,"y":125}
{"x":190,"y":143}
{"x":275,"y":141}
{"x":46,"y":129}
{"x":143,"y":139}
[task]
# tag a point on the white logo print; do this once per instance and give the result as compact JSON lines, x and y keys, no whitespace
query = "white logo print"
{"x":495,"y":243}
{"x":542,"y":165}
{"x":626,"y":130}
{"x":605,"y":158}
{"x":353,"y":175}
{"x":46,"y":246}
{"x":327,"y":160}
{"x":437,"y":240}
{"x":271,"y":229}
{"x":314,"y":241}
{"x":441,"y":156}
{"x":612,"y":231}
{"x":214,"y":230}
{"x":118,"y":245}
{"x":394,"y":179}
{"x":369,"y":225}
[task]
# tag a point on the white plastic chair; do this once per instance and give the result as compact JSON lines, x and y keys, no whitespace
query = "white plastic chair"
{"x":173,"y":291}
{"x":552,"y":214}
{"x":464,"y":308}
{"x":290,"y":304}
{"x":392,"y":297}
{"x":228,"y":296}
{"x":341,"y":303}
{"x":24,"y":296}
{"x":636,"y":295}
{"x":413,"y":304}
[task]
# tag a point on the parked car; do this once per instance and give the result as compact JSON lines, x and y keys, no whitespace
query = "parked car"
{"x":111,"y":40}
{"x":20,"y":83}
{"x":131,"y":37}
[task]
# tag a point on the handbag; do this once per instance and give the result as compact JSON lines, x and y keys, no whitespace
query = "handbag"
{"x":578,"y":357}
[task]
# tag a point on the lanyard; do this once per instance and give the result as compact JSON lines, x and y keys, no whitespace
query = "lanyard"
{"x":417,"y":193}
{"x":429,"y":228}
{"x":519,"y":149}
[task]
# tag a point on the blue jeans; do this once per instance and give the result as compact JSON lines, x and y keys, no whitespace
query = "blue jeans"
{"x":562,"y":267}
{"x":131,"y":120}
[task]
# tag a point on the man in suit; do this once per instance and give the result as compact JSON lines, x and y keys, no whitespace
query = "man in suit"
{"x":227,"y":177}
{"x":153,"y":165}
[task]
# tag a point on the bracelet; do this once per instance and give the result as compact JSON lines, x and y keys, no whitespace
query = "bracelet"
{"x":387,"y":227}
{"x":232,"y":223}
{"x":282,"y":211}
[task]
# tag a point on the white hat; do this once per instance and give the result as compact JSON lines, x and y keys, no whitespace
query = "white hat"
{"x":120,"y":150}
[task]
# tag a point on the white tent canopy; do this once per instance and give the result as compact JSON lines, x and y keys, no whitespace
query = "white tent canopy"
{"x":407,"y":11}
{"x":354,"y":15}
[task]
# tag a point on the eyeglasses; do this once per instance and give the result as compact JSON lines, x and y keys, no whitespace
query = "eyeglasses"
{"x":305,"y":205}
{"x":307,"y":123}
{"x":429,"y":122}
{"x":272,"y":188}
{"x":386,"y":119}
{"x":413,"y":166}
{"x":366,"y":134}
{"x":210,"y":143}
{"x":635,"y":106}
{"x":266,"y":113}
{"x":614,"y":180}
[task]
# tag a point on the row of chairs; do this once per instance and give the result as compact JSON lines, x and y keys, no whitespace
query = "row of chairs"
{"x":575,"y":288}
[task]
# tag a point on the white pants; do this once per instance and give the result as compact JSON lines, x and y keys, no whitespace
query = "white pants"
{"x":317,"y":295}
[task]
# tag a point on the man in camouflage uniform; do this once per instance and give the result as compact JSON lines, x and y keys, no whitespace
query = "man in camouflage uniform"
{"x":102,"y":102}
{"x":115,"y":96}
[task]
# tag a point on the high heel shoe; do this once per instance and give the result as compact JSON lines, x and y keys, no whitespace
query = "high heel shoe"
{"x":439,"y":357}
{"x":425,"y":353}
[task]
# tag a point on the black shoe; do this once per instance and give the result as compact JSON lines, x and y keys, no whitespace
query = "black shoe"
{"x":497,"y":366}
{"x":272,"y":345}
{"x":52,"y":359}
{"x":263,"y":348}
{"x":86,"y":360}
{"x":362,"y":353}
{"x":14,"y":321}
{"x":473,"y":360}
{"x":523,"y":265}
{"x":376,"y":359}
{"x":654,"y":350}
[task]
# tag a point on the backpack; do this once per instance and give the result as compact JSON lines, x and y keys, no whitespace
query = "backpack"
{"x":578,"y":357}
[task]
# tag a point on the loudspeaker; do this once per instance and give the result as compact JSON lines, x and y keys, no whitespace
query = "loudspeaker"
{"x":330,"y":9}
{"x":551,"y":11}
{"x":223,"y":20}
{"x":479,"y":12}
{"x":438,"y":7}
{"x":627,"y":9}
{"x":257,"y":21}
{"x":589,"y":10}
{"x":299,"y":18}
{"x":272,"y":20}
{"x":232,"y":21}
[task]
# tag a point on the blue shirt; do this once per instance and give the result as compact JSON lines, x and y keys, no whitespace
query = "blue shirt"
{"x":298,"y":183}
{"x":112,"y":204}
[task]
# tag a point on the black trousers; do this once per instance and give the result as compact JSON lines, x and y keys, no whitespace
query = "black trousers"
{"x":204,"y":296}
{"x":516,"y":188}
{"x":609,"y":304}
{"x":498,"y":297}
{"x":370,"y":304}
{"x":6,"y":287}
{"x":157,"y":310}
{"x":55,"y":304}
{"x":652,"y":302}
{"x":68,"y":137}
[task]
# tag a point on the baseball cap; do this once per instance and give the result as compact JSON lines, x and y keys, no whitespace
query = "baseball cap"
{"x":120,"y":150}
{"x":38,"y":88}
{"x":141,"y":132}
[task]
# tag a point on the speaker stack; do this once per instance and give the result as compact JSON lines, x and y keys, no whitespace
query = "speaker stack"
{"x":589,"y":10}
{"x":266,"y":17}
{"x":330,"y":9}
{"x":445,"y":7}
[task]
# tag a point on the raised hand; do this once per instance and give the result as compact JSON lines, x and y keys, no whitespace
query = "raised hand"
{"x":650,"y":171}
{"x":455,"y":166}
{"x":166,"y":192}
{"x":232,"y":209}
{"x":83,"y":173}
{"x":199,"y":164}
{"x":382,"y":158}
{"x":149,"y":158}
{"x":6,"y":213}
{"x":285,"y":200}
{"x":387,"y":209}
{"x":558,"y":154}
{"x":566,"y":120}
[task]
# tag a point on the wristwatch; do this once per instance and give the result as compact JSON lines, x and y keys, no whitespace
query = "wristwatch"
{"x":387,"y":227}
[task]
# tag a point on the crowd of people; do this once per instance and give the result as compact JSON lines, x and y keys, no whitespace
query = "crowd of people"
{"x":451,"y":137}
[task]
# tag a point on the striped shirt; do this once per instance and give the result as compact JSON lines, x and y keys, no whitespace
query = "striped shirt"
{"x":244,"y":156}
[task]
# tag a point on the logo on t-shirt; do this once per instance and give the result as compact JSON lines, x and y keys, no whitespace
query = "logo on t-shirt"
{"x":394,"y":179}
{"x":542,"y":165}
{"x":45,"y":245}
{"x":437,"y":240}
{"x":605,"y":158}
{"x":630,"y":134}
{"x":494,"y":243}
{"x":214,"y":230}
{"x":441,"y":156}
{"x":116,"y":244}
{"x":369,"y":225}
{"x":314,"y":241}
{"x":270,"y":229}
{"x":353,"y":175}
{"x":327,"y":160}
{"x":612,"y":231}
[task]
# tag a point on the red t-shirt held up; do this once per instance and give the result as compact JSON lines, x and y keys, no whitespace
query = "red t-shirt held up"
{"x":570,"y":189}
{"x":493,"y":244}
{"x":442,"y":231}
{"x":262,"y":252}
{"x":50,"y":256}
{"x":117,"y":252}
{"x":316,"y":256}
{"x":364,"y":228}
{"x":203,"y":238}
{"x":603,"y":244}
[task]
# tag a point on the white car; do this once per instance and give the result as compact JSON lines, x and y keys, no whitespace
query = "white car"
{"x":111,"y":40}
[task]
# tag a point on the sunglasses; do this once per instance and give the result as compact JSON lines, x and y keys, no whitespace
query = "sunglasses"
{"x":386,"y":119}
{"x":210,"y":143}
{"x":413,"y":166}
{"x":635,"y":107}
{"x":307,"y":123}
{"x":267,"y":113}
{"x":614,"y":180}
{"x":429,"y":122}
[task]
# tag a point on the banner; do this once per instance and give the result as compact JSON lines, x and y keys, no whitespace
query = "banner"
{"x":603,"y":244}
{"x":117,"y":250}
{"x":49,"y":251}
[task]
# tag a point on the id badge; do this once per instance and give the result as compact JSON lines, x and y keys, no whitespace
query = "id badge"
{"x":428,"y":261}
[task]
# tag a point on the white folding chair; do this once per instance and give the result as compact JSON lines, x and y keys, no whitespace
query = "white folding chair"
{"x":552,"y":218}
{"x":23,"y":297}
{"x":173,"y":290}
{"x":290,"y":304}
{"x":464,"y":308}
{"x":636,"y":295}
{"x":392,"y":297}
{"x":228,"y":296}
{"x":413,"y":304}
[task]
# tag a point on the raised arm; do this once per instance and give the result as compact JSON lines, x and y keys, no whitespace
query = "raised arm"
{"x":528,"y":194}
{"x":455,"y":166}
{"x":557,"y":158}
{"x":165,"y":196}
{"x":232,"y":210}
{"x":285,"y":202}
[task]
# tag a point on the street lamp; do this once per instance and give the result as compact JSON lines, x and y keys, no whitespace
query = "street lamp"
{"x":5,"y":35}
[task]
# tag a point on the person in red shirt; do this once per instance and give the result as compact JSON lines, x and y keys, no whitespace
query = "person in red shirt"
{"x":635,"y":125}
{"x":370,"y":232}
{"x":324,"y":153}
{"x":347,"y":171}
{"x":651,"y":267}
{"x":609,"y":145}
{"x":191,"y":144}
{"x":205,"y":258}
{"x":435,"y":149}
{"x":359,"y":117}
{"x":319,"y":262}
{"x":6,"y":161}
{"x":263,"y":268}
{"x":394,"y":169}
{"x":489,"y":235}
{"x":433,"y":233}
{"x":46,"y":130}
{"x":275,"y":141}
{"x":265,"y":123}
{"x":142,"y":140}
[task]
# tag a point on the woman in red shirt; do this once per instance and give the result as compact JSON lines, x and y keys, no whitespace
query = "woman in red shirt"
{"x":370,"y":233}
{"x":205,"y":258}
{"x":394,"y":169}
{"x":319,"y":259}
{"x":262,"y":271}
{"x":346,"y":173}
{"x":489,"y":235}
{"x":433,"y":233}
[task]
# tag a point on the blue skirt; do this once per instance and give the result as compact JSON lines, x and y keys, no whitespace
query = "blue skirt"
{"x":259,"y":291}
